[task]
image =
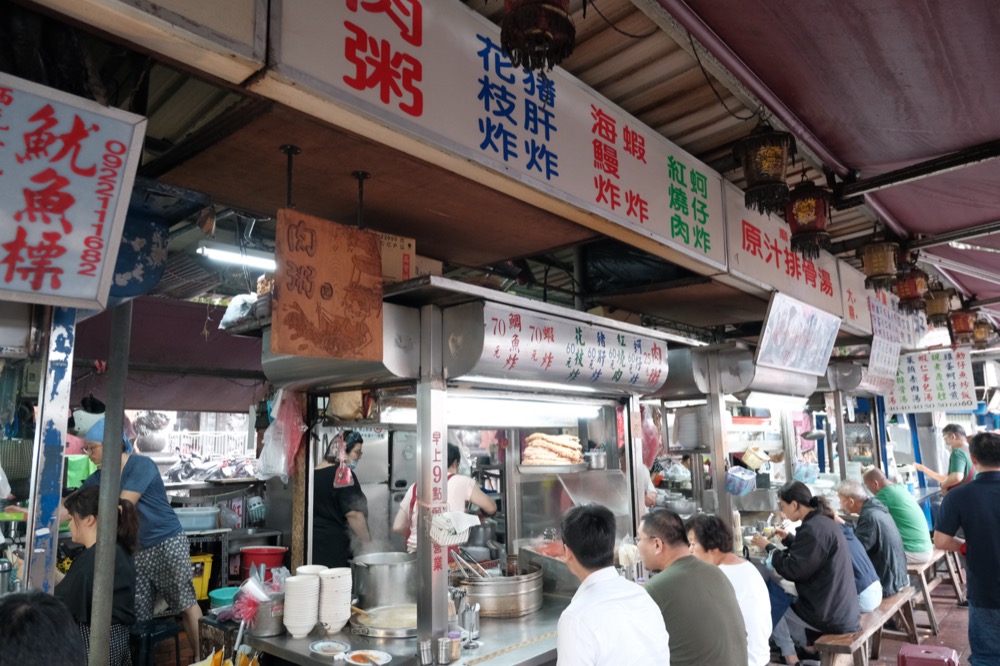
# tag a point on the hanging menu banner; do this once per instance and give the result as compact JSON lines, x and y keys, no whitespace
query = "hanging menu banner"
{"x":934,"y":382}
{"x":525,"y":345}
{"x":435,"y":70}
{"x":67,"y":165}
{"x":760,"y":251}
{"x":892,"y":325}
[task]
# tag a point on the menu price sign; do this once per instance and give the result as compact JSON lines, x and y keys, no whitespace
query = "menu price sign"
{"x":889,"y":323}
{"x":67,"y":166}
{"x":522,"y":344}
{"x":327,"y":299}
{"x":934,"y":382}
{"x":880,"y":375}
{"x":797,"y":336}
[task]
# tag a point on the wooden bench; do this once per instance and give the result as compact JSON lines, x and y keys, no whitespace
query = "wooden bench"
{"x":843,"y":649}
{"x":927,"y":584}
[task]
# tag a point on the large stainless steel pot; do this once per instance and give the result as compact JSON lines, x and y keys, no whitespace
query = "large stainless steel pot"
{"x":506,"y":596}
{"x":385,"y":579}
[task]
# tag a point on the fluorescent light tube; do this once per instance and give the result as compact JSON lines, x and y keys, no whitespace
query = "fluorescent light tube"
{"x":228,"y":254}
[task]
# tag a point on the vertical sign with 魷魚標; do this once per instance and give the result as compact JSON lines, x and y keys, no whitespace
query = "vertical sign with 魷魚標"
{"x":67,"y":166}
{"x":327,"y":299}
{"x":435,"y":70}
{"x":522,"y":344}
{"x":933,"y":381}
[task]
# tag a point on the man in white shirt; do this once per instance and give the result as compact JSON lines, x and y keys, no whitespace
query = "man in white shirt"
{"x":611,"y":621}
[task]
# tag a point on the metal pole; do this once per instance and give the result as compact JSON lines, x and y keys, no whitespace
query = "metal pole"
{"x":59,"y":332}
{"x":716,"y":406}
{"x":838,"y":401}
{"x":432,"y":441}
{"x":111,"y":469}
{"x":578,"y":277}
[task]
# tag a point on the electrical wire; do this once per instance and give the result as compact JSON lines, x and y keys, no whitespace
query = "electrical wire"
{"x":708,"y":79}
{"x":613,"y":26}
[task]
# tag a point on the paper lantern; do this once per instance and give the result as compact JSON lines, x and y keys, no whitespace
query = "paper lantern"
{"x":808,"y":214}
{"x":764,"y":157}
{"x":982,"y":333}
{"x":962,"y":324}
{"x":537,"y":34}
{"x":938,"y":305}
{"x":879,"y":259}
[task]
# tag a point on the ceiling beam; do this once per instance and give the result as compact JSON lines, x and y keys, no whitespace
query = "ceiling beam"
{"x":957,"y":235}
{"x":958,"y":267}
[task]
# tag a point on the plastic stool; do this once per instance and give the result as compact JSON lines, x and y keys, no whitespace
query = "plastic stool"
{"x":147,"y":636}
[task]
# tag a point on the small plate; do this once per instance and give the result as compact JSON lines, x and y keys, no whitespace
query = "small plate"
{"x":374,"y":657}
{"x":328,"y":648}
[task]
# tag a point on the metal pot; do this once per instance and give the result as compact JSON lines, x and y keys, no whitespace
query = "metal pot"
{"x":507,"y":596}
{"x":385,"y":579}
{"x":481,"y":535}
{"x":597,"y":460}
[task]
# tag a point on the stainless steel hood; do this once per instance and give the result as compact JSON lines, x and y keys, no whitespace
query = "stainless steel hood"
{"x":689,"y":375}
{"x":400,"y":358}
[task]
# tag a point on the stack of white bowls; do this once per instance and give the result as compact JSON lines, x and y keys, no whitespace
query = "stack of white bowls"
{"x":301,"y":605}
{"x":309,"y":569}
{"x":335,"y":599}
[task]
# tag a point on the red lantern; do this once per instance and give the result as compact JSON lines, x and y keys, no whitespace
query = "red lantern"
{"x":963,"y":325}
{"x":807,"y":214}
{"x":911,"y":287}
{"x":537,"y":34}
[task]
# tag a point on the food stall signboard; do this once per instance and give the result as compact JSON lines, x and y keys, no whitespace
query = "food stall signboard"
{"x":934,"y":381}
{"x":523,"y":344}
{"x":796,"y":336}
{"x":854,"y":301}
{"x":760,"y":252}
{"x":435,"y":70}
{"x":67,"y":165}
{"x":327,"y":299}
{"x":895,"y":326}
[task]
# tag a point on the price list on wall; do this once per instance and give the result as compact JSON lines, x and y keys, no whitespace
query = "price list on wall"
{"x":934,"y":381}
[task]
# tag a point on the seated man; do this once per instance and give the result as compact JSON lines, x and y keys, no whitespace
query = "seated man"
{"x":36,"y":629}
{"x":906,"y":513}
{"x":878,"y":534}
{"x":696,"y":599}
{"x":610,"y":621}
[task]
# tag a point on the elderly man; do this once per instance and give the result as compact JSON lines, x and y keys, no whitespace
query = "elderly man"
{"x":610,"y":621}
{"x":960,"y":469}
{"x":879,"y":535}
{"x":905,"y":512}
{"x":975,"y":509}
{"x":698,"y":603}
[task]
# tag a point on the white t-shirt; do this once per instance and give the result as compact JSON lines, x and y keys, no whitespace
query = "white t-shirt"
{"x":755,"y":604}
{"x":611,"y":622}
{"x":459,"y":493}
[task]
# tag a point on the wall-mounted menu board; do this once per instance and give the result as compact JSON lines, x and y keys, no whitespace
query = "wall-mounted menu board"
{"x":796,"y":336}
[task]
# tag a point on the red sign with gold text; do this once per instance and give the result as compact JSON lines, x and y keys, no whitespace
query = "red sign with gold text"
{"x":67,"y":165}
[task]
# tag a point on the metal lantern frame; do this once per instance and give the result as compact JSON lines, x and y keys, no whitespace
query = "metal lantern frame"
{"x":764,"y":156}
{"x":808,"y":214}
{"x":537,"y":34}
{"x":879,"y":259}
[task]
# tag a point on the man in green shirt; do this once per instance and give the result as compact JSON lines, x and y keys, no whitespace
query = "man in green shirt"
{"x":697,"y":600}
{"x":906,"y":513}
{"x":960,"y":469}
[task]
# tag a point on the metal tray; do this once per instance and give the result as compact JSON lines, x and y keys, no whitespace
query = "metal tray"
{"x":552,"y":469}
{"x":360,"y":629}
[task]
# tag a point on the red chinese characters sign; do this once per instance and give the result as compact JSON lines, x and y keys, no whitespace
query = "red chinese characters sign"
{"x":66,"y":171}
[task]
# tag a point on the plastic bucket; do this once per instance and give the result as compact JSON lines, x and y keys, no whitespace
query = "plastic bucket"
{"x":754,"y":458}
{"x":740,"y":481}
{"x":222,"y":596}
{"x":270,"y":556}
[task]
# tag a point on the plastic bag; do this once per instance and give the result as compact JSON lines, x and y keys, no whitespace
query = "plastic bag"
{"x":342,"y":478}
{"x":240,"y":309}
{"x":4,"y":485}
{"x":282,"y":438}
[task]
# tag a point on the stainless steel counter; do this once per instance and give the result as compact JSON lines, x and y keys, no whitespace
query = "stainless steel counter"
{"x":525,"y":641}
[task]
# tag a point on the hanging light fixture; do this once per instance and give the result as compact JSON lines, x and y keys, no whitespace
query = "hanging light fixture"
{"x":911,"y":284}
{"x":764,"y":157}
{"x":807,"y":214}
{"x":538,"y":34}
{"x":982,"y":333}
{"x":962,"y":324}
{"x":879,"y":258}
{"x":938,"y":305}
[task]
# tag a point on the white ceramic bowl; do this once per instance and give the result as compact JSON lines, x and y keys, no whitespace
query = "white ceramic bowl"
{"x":310,"y":569}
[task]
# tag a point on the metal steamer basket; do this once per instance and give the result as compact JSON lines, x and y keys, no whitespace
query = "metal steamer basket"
{"x":506,"y":596}
{"x":372,"y":629}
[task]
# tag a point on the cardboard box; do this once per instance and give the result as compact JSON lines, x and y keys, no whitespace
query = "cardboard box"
{"x":427,"y":266}
{"x":398,"y":257}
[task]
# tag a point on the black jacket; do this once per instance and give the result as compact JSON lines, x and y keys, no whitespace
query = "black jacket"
{"x":818,"y":561}
{"x":879,"y":535}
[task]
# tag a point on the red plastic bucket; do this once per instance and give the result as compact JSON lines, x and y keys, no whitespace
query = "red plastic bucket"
{"x":270,"y":556}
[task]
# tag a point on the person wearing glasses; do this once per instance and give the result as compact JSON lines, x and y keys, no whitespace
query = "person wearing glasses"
{"x":960,"y":469}
{"x":694,"y":597}
{"x":610,"y":620}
